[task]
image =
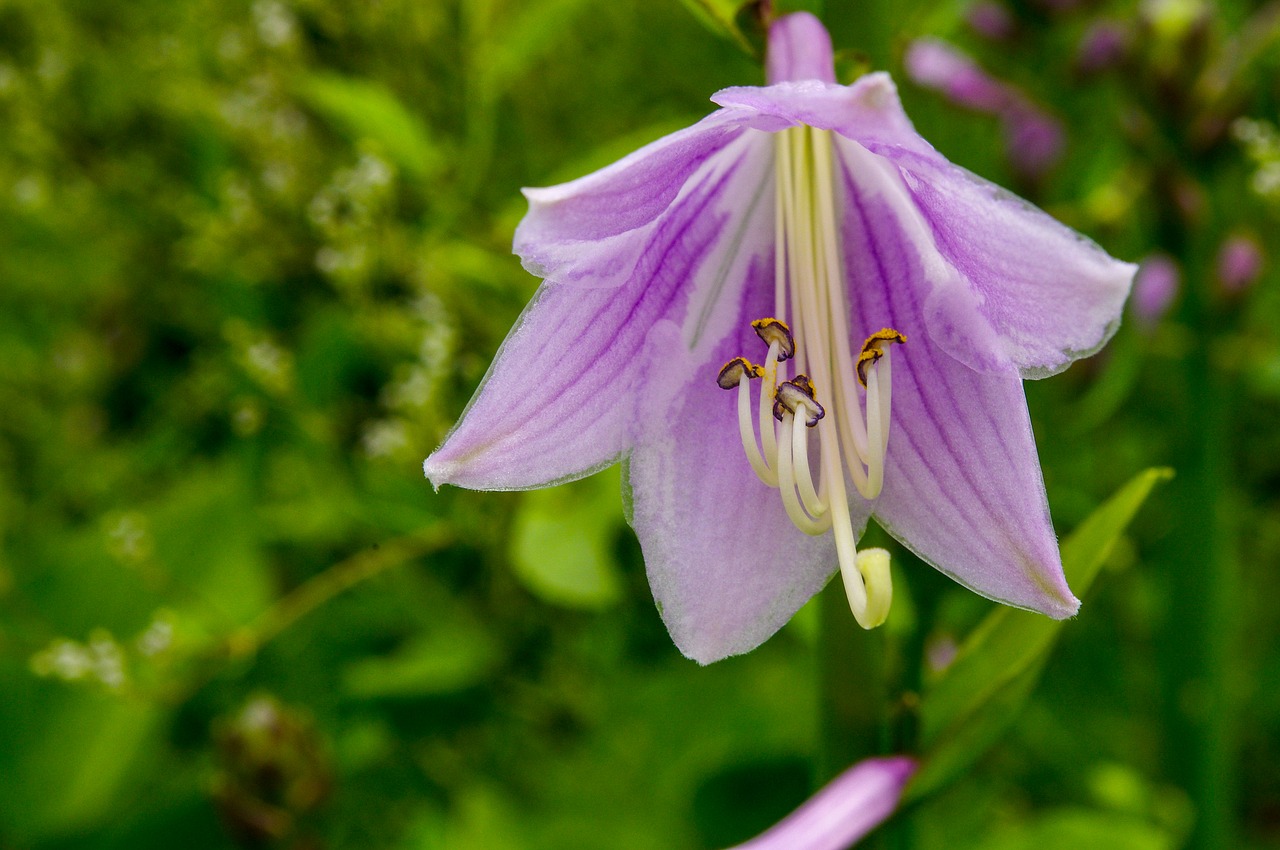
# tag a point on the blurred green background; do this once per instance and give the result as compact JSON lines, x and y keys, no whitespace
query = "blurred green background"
{"x":254,"y":259}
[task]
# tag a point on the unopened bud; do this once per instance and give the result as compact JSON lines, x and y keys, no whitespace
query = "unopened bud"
{"x":1155,"y":286}
{"x":1240,"y":262}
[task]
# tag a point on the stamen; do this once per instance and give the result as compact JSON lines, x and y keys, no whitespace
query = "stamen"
{"x":795,"y":394}
{"x":776,"y":331}
{"x":874,"y":372}
{"x":791,"y":397}
{"x":736,"y":369}
{"x":804,"y":477}
{"x":877,"y":439}
{"x":876,"y":346}
{"x":739,"y":372}
{"x":809,"y":288}
{"x":768,"y":435}
{"x":787,"y":479}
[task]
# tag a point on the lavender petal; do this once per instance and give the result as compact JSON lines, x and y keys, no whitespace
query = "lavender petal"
{"x":963,"y":488}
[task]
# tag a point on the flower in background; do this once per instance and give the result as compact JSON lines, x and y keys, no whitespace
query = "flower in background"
{"x":1155,"y":287}
{"x":1034,"y":139}
{"x":1103,"y":46}
{"x":843,"y":811}
{"x":991,"y":20}
{"x":871,"y":311}
{"x":1240,"y":262}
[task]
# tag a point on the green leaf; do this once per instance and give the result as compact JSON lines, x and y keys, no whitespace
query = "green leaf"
{"x":721,"y":17}
{"x":363,"y":109}
{"x":66,"y":756}
{"x":562,"y":542}
{"x":1072,"y":828}
{"x":967,"y":710}
{"x":455,"y":656}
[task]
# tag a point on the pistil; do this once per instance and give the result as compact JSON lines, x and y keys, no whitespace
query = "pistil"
{"x":809,"y":288}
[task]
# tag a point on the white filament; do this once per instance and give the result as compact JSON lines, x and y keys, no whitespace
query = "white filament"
{"x":746,"y":430}
{"x":809,"y":294}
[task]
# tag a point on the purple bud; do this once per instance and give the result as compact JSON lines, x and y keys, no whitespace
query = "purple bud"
{"x":1102,"y":47}
{"x":936,"y":65}
{"x":940,"y":651}
{"x":1240,"y":261}
{"x":843,"y":811}
{"x":1034,"y":140}
{"x":991,"y":20}
{"x":1155,"y":286}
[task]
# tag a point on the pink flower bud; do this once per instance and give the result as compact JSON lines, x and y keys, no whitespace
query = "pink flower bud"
{"x":1155,"y":287}
{"x":1240,"y":262}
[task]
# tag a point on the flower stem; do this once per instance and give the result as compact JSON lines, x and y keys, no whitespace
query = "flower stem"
{"x":853,"y":705}
{"x":1199,"y":635}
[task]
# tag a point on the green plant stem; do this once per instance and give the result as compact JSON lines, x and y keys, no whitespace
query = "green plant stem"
{"x":853,"y":696}
{"x":317,"y":591}
{"x":1199,"y":637}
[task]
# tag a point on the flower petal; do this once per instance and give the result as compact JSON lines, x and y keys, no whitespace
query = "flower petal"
{"x":868,"y":111}
{"x":1049,"y":293}
{"x":799,"y":49}
{"x":726,"y":565}
{"x":843,"y":811}
{"x":581,"y":231}
{"x":558,"y":401}
{"x":963,"y":488}
{"x":1015,"y":286}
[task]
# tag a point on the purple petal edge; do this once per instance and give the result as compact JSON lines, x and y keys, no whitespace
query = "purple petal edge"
{"x":843,"y":811}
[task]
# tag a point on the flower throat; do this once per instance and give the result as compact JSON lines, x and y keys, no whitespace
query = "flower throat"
{"x":810,"y":327}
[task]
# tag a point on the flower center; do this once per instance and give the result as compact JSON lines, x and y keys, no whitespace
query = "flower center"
{"x":809,"y":291}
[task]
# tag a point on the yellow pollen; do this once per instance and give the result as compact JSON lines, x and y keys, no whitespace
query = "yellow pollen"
{"x":873,"y":349}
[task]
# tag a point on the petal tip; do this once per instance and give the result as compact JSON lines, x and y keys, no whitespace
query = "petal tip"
{"x":436,"y":471}
{"x":702,"y":649}
{"x":1065,"y":608}
{"x":899,"y":768}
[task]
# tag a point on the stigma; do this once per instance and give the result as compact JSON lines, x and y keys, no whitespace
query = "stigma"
{"x":839,"y":399}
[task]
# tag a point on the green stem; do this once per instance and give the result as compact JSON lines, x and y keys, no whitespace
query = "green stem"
{"x":851,"y":677}
{"x":318,"y":590}
{"x":855,"y":708}
{"x":1199,"y":635}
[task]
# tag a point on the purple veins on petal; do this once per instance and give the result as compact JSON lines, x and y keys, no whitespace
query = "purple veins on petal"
{"x":539,"y":418}
{"x":963,"y":488}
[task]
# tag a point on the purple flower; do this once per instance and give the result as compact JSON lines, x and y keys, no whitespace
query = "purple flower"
{"x":1102,"y":47}
{"x":1240,"y":262}
{"x":1034,"y":140}
{"x":1155,"y":287}
{"x":843,"y":811}
{"x":757,"y":250}
{"x":991,"y":20}
{"x":936,"y":65}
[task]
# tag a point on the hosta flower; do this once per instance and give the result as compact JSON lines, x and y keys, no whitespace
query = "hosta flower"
{"x":843,"y":811}
{"x":785,"y":319}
